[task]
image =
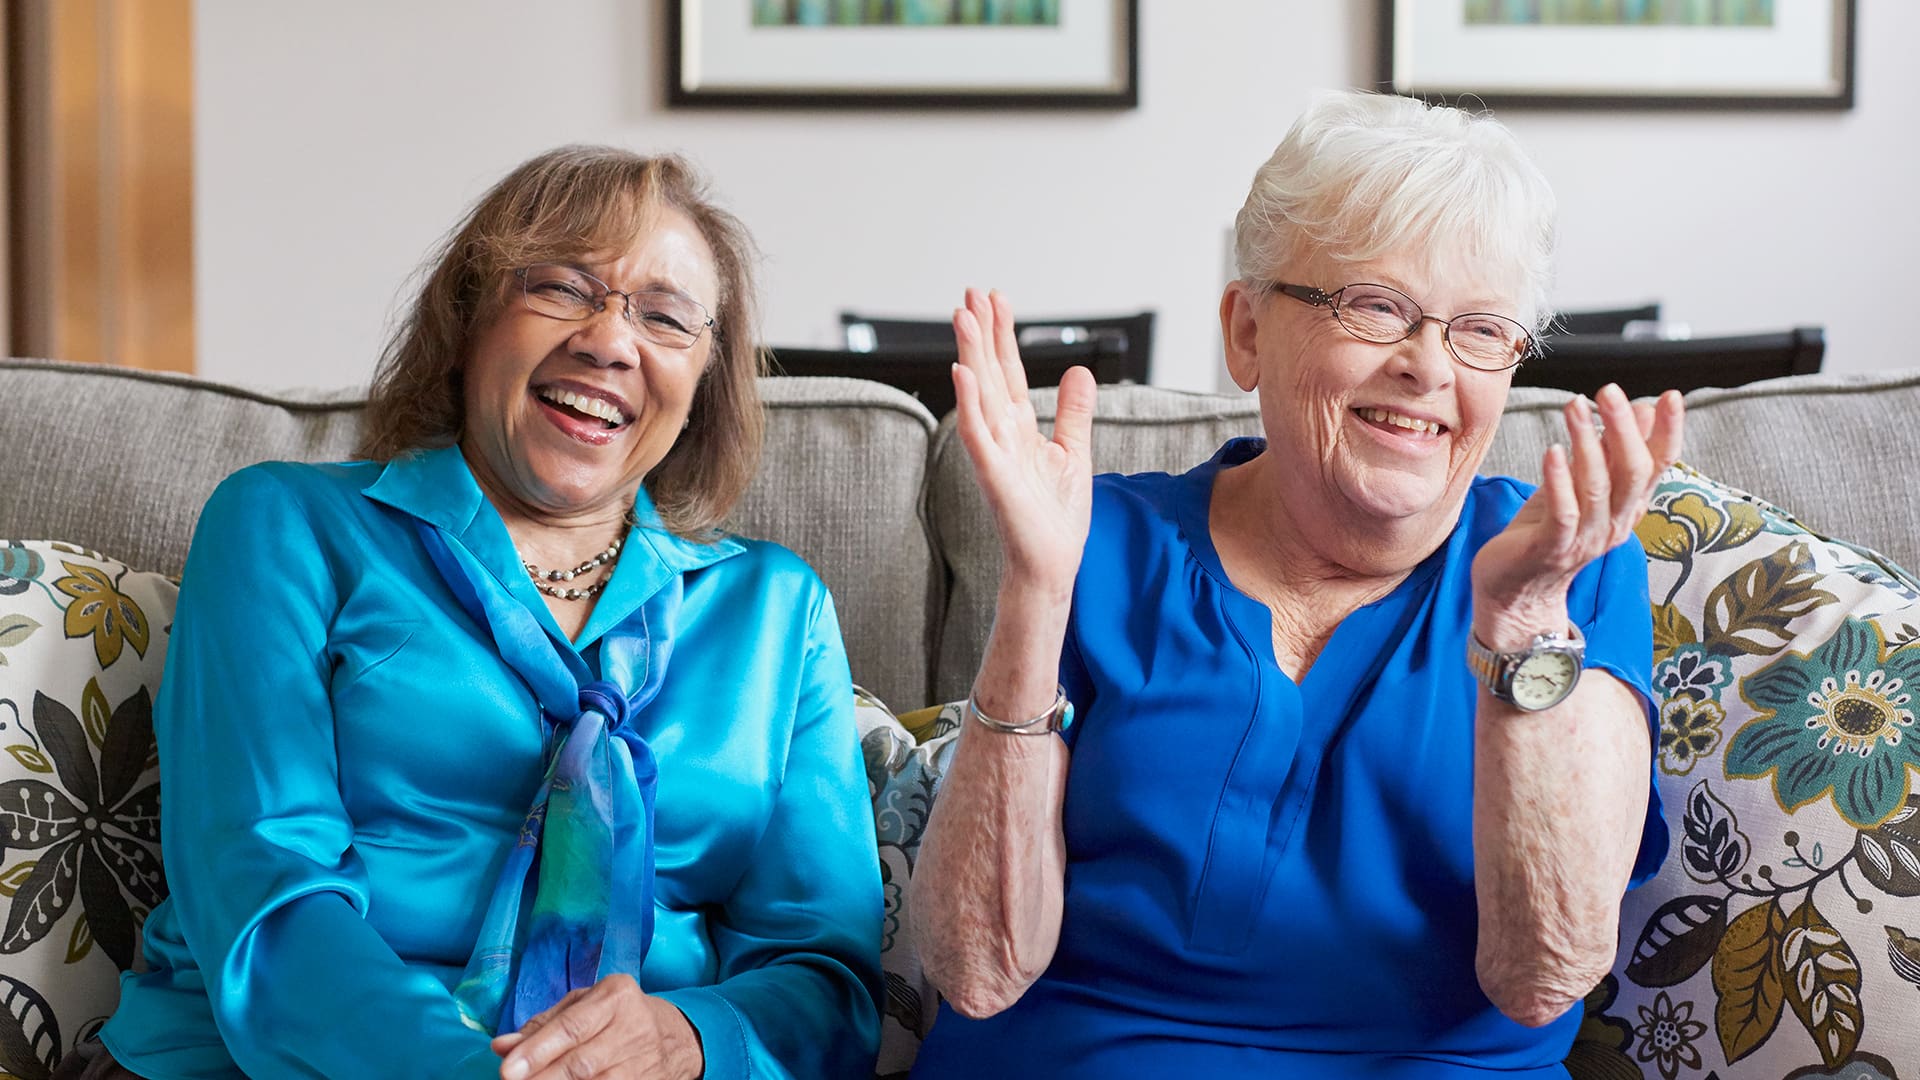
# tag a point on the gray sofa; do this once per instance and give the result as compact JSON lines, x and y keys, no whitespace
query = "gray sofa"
{"x":869,"y":489}
{"x":877,"y":495}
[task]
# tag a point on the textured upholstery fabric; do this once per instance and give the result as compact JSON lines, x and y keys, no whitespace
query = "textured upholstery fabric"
{"x":122,"y":461}
{"x":83,"y":640}
{"x":840,"y":484}
{"x":1782,"y":935}
{"x":1840,"y":450}
{"x":859,"y":482}
{"x":1136,"y":429}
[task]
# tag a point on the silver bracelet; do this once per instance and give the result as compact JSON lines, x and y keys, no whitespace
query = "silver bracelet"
{"x":1057,"y":718}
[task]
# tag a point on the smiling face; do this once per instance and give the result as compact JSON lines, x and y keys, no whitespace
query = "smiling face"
{"x":1379,"y":442}
{"x":564,"y":419}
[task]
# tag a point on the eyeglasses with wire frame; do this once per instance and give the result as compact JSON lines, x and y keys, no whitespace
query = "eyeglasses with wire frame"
{"x":1386,"y":316}
{"x":564,"y":292}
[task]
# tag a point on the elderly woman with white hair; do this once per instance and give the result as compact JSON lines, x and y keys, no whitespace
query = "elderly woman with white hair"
{"x":1343,"y":758}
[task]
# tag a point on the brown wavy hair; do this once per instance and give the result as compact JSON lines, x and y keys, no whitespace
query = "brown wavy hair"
{"x":569,"y":203}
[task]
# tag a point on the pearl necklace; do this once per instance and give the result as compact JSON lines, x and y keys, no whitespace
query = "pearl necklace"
{"x":544,"y":579}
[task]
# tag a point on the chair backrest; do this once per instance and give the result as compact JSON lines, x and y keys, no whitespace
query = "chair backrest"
{"x":926,"y":371}
{"x":1603,"y":320}
{"x":1131,"y":337}
{"x":1584,"y":363}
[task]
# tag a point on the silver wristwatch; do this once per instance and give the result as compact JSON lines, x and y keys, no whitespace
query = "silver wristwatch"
{"x":1537,"y":677}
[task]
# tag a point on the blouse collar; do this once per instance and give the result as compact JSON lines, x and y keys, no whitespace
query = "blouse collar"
{"x":437,"y":487}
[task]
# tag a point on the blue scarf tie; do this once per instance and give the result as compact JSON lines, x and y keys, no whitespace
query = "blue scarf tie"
{"x":574,"y":902}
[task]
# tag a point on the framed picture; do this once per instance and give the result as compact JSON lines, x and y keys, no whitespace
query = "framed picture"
{"x":904,"y":53}
{"x":1622,"y":53}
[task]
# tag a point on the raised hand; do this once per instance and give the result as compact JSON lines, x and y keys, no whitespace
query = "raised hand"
{"x":1040,"y":489}
{"x":1588,"y":502}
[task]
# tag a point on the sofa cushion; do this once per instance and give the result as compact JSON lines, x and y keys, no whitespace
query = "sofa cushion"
{"x":840,"y":484}
{"x":82,"y":643}
{"x":906,"y":760}
{"x":1135,"y":429}
{"x":1782,"y":935}
{"x":1837,"y":448}
{"x":123,"y":460}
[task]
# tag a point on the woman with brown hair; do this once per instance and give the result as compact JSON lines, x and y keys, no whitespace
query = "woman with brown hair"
{"x":491,"y":755}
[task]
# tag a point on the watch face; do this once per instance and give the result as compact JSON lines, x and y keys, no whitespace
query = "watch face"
{"x":1544,"y":678}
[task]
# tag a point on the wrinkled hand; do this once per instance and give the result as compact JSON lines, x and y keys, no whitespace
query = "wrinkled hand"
{"x":612,"y":1029}
{"x":1585,"y":506}
{"x":1040,"y":489}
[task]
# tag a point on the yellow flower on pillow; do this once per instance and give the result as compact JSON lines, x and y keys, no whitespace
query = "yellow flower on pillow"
{"x":1693,"y":522}
{"x":99,"y":609}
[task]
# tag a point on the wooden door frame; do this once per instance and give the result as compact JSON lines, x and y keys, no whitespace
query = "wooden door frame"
{"x":99,"y":137}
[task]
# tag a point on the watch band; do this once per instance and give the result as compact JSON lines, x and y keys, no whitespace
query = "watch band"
{"x":1496,"y":670}
{"x":1057,"y":718}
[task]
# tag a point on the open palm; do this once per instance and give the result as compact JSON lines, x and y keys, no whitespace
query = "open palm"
{"x":1040,"y":489}
{"x":1588,"y":502}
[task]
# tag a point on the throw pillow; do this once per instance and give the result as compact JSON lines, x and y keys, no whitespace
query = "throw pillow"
{"x":906,"y":759}
{"x":1782,"y":936}
{"x":82,"y":642}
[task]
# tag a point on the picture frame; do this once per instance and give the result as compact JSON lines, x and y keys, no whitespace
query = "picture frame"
{"x":726,"y":53}
{"x":1641,"y":54}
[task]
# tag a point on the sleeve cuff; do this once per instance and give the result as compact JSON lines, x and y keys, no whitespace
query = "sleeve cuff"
{"x":1655,"y":836}
{"x":482,"y":1064}
{"x":723,"y":1033}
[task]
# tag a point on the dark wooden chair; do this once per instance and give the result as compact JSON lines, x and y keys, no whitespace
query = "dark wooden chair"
{"x":1131,"y":336}
{"x":926,"y":371}
{"x":1584,"y":363}
{"x":1603,"y":320}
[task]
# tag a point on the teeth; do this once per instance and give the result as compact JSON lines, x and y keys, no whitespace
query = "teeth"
{"x":1382,"y":416}
{"x":593,"y":407}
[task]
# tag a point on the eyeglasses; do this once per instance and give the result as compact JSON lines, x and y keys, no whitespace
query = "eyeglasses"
{"x":1388,"y":316}
{"x":562,"y":292}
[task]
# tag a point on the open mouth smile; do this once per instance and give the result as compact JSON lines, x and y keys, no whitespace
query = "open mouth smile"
{"x":589,"y":417}
{"x":1401,"y":424}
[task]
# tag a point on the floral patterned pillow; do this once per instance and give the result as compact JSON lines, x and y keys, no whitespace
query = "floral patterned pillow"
{"x":82,"y":642}
{"x":906,"y":758}
{"x":1782,"y":936}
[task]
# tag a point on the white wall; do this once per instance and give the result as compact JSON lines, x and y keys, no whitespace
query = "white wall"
{"x":335,"y":142}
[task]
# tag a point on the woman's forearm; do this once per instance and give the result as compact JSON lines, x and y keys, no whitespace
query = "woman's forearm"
{"x":987,"y":888}
{"x":1559,"y":802}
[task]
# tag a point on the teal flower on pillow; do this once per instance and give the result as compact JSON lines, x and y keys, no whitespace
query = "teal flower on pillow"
{"x":1838,"y":720}
{"x":1694,"y":672}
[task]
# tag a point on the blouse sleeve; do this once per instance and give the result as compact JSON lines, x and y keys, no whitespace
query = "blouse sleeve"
{"x":1609,"y":602}
{"x":270,"y":893}
{"x":798,"y":941}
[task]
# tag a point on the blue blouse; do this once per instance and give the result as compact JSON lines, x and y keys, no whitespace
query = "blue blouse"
{"x":346,"y":758}
{"x":1270,"y":878}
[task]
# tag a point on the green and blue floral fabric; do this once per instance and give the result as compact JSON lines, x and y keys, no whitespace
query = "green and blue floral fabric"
{"x":1782,"y":937}
{"x":906,"y":758}
{"x":82,"y":642}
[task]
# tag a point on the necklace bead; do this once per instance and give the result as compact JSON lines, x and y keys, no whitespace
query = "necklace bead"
{"x":544,"y":579}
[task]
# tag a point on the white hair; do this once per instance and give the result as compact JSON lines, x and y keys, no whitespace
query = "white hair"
{"x":1362,"y":176}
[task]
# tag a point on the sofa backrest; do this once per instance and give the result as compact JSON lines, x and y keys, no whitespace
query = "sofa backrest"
{"x":121,"y":461}
{"x":1835,"y":450}
{"x":858,"y":481}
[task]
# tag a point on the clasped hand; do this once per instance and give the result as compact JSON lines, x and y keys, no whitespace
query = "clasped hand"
{"x":612,"y":1029}
{"x":1591,"y":496}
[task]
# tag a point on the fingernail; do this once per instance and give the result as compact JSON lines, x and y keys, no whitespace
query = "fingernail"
{"x":514,"y":1069}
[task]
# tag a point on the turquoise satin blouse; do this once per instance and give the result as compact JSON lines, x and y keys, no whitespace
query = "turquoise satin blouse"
{"x":346,"y":758}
